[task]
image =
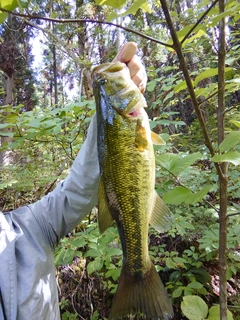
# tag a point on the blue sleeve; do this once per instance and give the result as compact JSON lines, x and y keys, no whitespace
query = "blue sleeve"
{"x":72,"y":199}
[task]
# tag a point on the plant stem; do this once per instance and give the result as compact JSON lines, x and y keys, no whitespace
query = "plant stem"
{"x":178,"y":48}
{"x":220,"y":167}
{"x":223,"y":180}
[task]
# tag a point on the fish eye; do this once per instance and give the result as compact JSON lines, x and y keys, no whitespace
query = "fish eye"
{"x":102,"y":81}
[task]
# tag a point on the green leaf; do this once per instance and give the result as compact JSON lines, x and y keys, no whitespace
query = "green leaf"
{"x":64,"y":256}
{"x":180,"y":86}
{"x":112,"y":16}
{"x":8,"y":4}
{"x":208,"y":73}
{"x":195,"y":285}
{"x":185,"y":162}
{"x":236,"y":123}
{"x":6,"y":134}
{"x":78,"y":242}
{"x":180,"y":195}
{"x":177,"y":195}
{"x":198,"y":196}
{"x":117,"y":4}
{"x":134,"y":7}
{"x":5,"y":125}
{"x":114,"y":251}
{"x":177,"y":292}
{"x":170,"y":263}
{"x":231,"y":156}
{"x":180,"y":262}
{"x":194,"y":308}
{"x":151,"y":85}
{"x":198,"y":34}
{"x":175,"y":164}
{"x":214,"y":313}
{"x":232,"y":139}
{"x":137,"y":4}
{"x":92,"y":253}
{"x":91,"y":267}
{"x":3,"y":16}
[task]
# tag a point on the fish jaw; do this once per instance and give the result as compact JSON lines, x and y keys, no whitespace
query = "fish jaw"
{"x":113,"y":80}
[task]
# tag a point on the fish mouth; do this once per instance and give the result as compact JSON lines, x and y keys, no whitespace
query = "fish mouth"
{"x":110,"y":67}
{"x":136,"y":112}
{"x":112,"y":71}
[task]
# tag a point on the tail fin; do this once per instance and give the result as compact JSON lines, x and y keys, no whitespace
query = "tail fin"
{"x":146,"y":297}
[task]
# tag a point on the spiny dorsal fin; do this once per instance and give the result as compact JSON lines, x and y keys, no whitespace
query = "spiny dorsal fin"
{"x":104,"y":216}
{"x":156,"y":139}
{"x":161,"y":217}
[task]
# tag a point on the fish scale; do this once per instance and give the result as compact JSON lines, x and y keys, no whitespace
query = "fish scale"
{"x":126,"y":191}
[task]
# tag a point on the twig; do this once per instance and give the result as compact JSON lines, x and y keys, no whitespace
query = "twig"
{"x":178,"y":48}
{"x":52,"y":35}
{"x":233,"y":214}
{"x":33,"y":17}
{"x":199,"y":20}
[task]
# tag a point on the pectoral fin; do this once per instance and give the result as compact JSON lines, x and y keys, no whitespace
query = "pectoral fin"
{"x":156,"y":139}
{"x":161,"y":217}
{"x":104,"y":216}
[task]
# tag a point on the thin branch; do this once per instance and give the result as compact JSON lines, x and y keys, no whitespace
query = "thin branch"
{"x":233,"y":214}
{"x":231,"y":108}
{"x":33,"y":17}
{"x":208,"y":98}
{"x":199,"y":20}
{"x":178,"y":48}
{"x":57,"y":39}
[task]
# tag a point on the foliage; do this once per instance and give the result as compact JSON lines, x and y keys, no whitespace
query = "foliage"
{"x":194,"y":308}
{"x":47,"y":138}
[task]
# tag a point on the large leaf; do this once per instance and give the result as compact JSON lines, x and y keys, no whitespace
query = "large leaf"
{"x":8,"y":5}
{"x":180,"y":195}
{"x":231,"y":156}
{"x":117,"y":4}
{"x":208,"y":74}
{"x":137,"y":4}
{"x":236,"y":123}
{"x":231,"y":140}
{"x":194,"y":308}
{"x":214,"y":313}
{"x":176,"y":164}
{"x":198,"y":34}
{"x":180,"y":86}
{"x":198,"y":196}
{"x":6,"y":134}
{"x":177,"y":195}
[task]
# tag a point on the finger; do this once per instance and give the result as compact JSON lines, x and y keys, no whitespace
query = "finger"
{"x":138,"y":73}
{"x":127,"y":52}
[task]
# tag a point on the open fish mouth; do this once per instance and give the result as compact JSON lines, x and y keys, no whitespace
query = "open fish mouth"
{"x":114,"y":80}
{"x":110,"y":67}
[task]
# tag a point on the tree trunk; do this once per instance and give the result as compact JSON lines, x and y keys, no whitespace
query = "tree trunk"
{"x":223,"y":179}
{"x":7,"y":157}
{"x":55,"y":74}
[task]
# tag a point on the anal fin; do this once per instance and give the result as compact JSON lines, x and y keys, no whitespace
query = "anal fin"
{"x":160,"y":217}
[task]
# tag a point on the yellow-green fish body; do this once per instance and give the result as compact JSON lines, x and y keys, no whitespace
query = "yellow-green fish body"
{"x":126,"y":192}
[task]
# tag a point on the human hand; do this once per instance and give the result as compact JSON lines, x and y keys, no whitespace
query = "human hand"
{"x":127,"y":54}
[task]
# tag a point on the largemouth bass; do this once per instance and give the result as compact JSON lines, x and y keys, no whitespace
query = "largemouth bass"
{"x":126,"y":191}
